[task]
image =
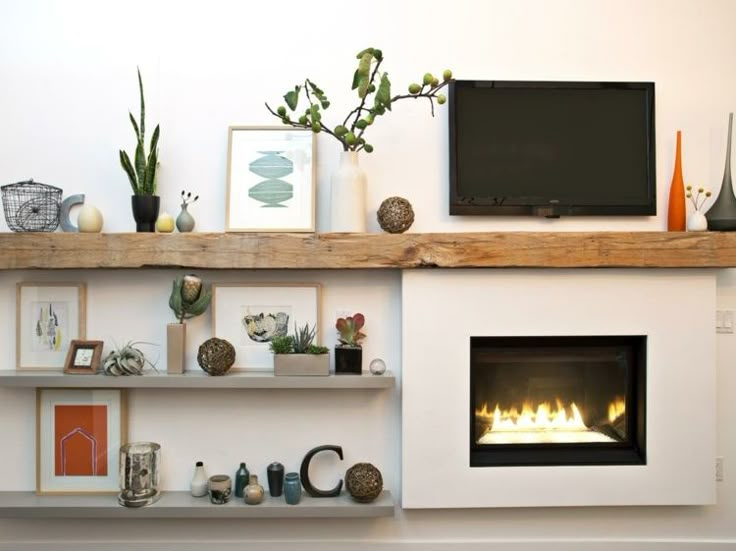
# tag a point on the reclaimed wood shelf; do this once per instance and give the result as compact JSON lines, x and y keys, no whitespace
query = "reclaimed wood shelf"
{"x":194,"y":380}
{"x":183,"y":505}
{"x":368,"y":251}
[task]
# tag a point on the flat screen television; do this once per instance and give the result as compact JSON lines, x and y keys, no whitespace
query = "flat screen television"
{"x":552,"y":148}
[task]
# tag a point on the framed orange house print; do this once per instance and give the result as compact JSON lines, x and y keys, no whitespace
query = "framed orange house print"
{"x":78,"y":437}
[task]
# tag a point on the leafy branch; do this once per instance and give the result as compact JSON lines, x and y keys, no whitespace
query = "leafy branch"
{"x":371,"y":83}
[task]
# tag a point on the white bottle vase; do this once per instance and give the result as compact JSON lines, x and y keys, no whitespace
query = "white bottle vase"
{"x":199,"y":481}
{"x":697,"y":221}
{"x":347,"y":200}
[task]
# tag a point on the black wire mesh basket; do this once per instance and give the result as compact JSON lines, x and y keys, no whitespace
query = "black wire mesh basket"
{"x":31,"y":206}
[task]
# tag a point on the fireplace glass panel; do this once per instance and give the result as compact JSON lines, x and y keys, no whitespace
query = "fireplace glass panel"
{"x":557,"y":400}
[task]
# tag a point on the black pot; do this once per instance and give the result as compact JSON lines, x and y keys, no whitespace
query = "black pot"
{"x":275,"y":473}
{"x":348,"y":360}
{"x":145,"y":212}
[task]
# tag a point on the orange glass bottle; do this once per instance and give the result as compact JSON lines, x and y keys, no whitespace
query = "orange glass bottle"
{"x":676,"y":210}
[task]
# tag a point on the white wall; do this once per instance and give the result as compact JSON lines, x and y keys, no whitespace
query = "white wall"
{"x":67,"y":78}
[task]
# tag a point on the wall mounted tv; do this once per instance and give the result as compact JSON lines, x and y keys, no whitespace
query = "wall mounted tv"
{"x":552,"y":148}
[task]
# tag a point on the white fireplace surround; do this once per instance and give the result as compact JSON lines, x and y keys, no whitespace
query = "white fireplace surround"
{"x":675,"y":309}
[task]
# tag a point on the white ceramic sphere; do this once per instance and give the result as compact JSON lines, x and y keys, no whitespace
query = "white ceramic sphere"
{"x":89,"y":219}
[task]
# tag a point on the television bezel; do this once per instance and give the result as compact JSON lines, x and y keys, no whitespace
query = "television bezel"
{"x":488,"y":205}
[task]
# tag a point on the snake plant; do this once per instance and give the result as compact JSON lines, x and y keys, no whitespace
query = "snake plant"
{"x":142,"y":174}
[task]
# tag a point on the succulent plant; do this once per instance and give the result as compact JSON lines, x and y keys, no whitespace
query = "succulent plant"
{"x":370,"y":83}
{"x":126,"y":360}
{"x":142,"y":174}
{"x":188,"y":299}
{"x":300,"y":342}
{"x":349,"y":329}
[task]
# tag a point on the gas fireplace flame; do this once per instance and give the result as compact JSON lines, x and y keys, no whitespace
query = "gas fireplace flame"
{"x":616,"y":409}
{"x":542,"y":417}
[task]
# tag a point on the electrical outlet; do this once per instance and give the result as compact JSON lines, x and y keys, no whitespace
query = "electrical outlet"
{"x":724,"y":321}
{"x":719,"y":469}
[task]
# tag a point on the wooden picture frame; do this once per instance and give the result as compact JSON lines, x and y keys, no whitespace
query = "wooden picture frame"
{"x":83,"y":357}
{"x":48,"y":317}
{"x":78,"y":437}
{"x":271,"y":175}
{"x":241,"y":312}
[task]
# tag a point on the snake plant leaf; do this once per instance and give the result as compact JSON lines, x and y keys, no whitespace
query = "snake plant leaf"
{"x":292,"y":98}
{"x":135,"y":125}
{"x":142,"y":134}
{"x":140,"y":163}
{"x":149,"y":182}
{"x":383,"y":95}
{"x":128,"y":168}
{"x":364,"y":70}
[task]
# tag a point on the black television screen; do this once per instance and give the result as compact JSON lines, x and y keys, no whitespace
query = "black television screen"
{"x":552,"y":148}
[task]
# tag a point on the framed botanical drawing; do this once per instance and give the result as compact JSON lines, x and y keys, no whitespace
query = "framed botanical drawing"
{"x":48,"y":317}
{"x":78,"y":437}
{"x":270,"y":179}
{"x":83,"y":357}
{"x":250,"y":315}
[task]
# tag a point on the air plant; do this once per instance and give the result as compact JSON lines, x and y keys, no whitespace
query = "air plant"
{"x":188,"y":299}
{"x":142,"y":174}
{"x":349,"y":329}
{"x":126,"y":360}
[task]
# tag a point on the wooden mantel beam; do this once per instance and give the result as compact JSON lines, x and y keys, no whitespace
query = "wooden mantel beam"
{"x":368,"y":251}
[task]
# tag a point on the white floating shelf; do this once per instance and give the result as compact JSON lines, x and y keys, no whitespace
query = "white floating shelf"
{"x":183,"y":505}
{"x":194,"y":380}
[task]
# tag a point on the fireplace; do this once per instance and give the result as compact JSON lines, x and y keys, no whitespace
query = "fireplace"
{"x":557,"y":400}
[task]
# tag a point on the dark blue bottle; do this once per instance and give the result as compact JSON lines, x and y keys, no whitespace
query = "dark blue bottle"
{"x":241,"y":480}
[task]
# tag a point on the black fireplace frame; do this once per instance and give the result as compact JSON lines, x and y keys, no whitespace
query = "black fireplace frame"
{"x":631,"y":452}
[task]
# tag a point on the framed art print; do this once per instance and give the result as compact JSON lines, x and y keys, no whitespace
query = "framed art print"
{"x":78,"y":437}
{"x":270,"y":179}
{"x":250,"y":315}
{"x":49,"y":316}
{"x":83,"y":357}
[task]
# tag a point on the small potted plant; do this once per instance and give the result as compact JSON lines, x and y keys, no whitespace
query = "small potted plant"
{"x":142,"y":172}
{"x":187,"y":300}
{"x":349,"y":352}
{"x":298,"y":355}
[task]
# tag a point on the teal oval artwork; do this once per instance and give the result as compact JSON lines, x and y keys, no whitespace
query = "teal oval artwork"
{"x":272,"y":192}
{"x":271,"y":165}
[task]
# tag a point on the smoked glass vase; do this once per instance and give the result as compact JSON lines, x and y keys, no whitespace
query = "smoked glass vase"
{"x":722,"y":215}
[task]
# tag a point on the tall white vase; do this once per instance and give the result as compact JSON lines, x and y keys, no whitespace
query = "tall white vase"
{"x":347,"y":198}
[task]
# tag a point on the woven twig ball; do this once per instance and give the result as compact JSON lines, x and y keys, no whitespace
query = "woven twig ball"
{"x":216,"y":356}
{"x":364,"y":482}
{"x":395,"y":215}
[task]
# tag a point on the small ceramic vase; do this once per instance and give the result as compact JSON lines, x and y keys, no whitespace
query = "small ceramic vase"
{"x":697,"y":221}
{"x":253,"y":492}
{"x":275,"y":473}
{"x":89,"y":219}
{"x":165,"y":223}
{"x":220,"y":488}
{"x":199,"y":481}
{"x":185,"y":221}
{"x":292,"y":488}
{"x":241,"y":480}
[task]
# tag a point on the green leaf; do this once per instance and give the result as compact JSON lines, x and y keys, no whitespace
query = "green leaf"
{"x":361,"y":53}
{"x":140,"y":164}
{"x":142,"y":134}
{"x":314,"y":112}
{"x":292,"y":98}
{"x":383,"y":96}
{"x":128,"y":168}
{"x":135,"y":125}
{"x":356,"y":79}
{"x":364,"y":70}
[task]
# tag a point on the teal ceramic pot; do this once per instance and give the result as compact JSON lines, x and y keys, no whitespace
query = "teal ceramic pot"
{"x":292,"y":488}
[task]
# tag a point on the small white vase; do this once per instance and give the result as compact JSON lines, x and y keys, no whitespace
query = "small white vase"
{"x":89,"y":219}
{"x":347,"y":200}
{"x":697,"y":221}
